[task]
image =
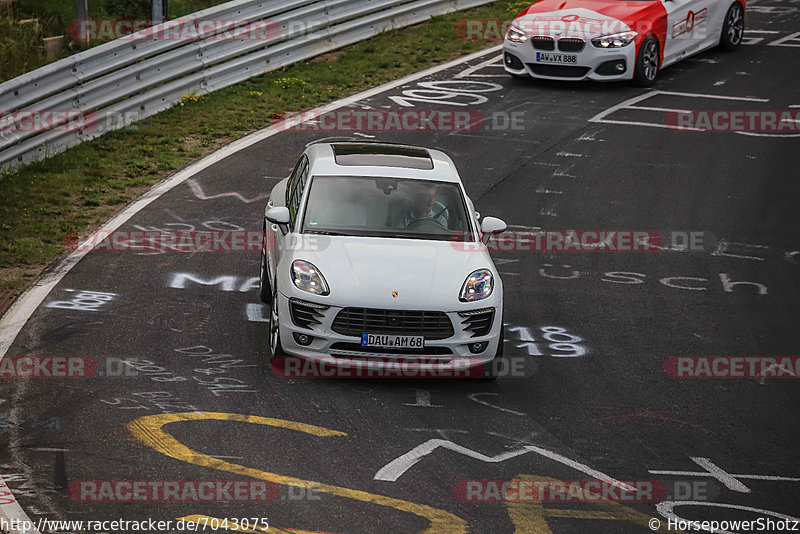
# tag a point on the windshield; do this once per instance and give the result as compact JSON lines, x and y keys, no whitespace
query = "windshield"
{"x":385,"y":207}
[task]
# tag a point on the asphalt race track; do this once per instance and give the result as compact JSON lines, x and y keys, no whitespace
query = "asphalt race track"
{"x":548,"y":155}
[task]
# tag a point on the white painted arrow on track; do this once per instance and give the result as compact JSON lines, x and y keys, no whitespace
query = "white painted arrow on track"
{"x":395,"y":469}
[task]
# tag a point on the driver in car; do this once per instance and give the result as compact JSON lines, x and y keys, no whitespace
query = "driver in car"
{"x":424,"y":196}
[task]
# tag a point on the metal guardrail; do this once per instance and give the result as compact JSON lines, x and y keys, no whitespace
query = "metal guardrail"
{"x":128,"y":79}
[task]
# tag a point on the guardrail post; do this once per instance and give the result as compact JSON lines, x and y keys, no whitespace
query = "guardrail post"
{"x":160,"y":11}
{"x":81,"y":10}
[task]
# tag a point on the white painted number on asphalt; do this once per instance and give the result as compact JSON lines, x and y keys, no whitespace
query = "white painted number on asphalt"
{"x":562,"y":344}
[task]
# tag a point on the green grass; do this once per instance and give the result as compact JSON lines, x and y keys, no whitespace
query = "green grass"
{"x":57,"y":14}
{"x":80,"y":188}
{"x":21,"y":48}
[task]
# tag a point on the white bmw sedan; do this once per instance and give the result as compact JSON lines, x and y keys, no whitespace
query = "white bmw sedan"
{"x":607,"y":40}
{"x":373,"y":256}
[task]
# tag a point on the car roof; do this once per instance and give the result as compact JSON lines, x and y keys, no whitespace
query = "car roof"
{"x":380,"y":159}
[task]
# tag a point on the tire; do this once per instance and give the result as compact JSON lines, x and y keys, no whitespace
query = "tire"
{"x":264,"y":286}
{"x":732,"y":28}
{"x":275,"y":348}
{"x":647,"y":62}
{"x":490,"y":370}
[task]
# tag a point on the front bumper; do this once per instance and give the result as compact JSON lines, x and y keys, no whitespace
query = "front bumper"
{"x":345,"y":351}
{"x":598,"y":64}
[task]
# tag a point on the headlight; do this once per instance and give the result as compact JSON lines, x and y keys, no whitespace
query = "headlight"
{"x":477,"y":286}
{"x":306,"y":277}
{"x":516,"y":35}
{"x":615,"y":40}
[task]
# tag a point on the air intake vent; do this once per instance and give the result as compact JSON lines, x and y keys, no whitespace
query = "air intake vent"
{"x":479,"y":322}
{"x":304,"y":314}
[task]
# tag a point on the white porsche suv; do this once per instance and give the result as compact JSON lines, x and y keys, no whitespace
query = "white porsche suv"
{"x":373,"y":256}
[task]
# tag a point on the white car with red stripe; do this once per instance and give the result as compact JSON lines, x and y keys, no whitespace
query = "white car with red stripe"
{"x":607,"y":40}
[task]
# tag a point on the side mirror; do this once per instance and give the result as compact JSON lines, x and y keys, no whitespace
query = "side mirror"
{"x":491,"y":225}
{"x":279,"y":216}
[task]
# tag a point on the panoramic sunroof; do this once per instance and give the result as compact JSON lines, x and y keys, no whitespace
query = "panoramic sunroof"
{"x":382,"y":156}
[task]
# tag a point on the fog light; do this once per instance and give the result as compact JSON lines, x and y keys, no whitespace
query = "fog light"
{"x":476,"y":348}
{"x":513,"y":61}
{"x":303,"y":339}
{"x":615,"y":67}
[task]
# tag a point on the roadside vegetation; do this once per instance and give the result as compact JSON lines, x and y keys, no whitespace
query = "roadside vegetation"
{"x":24,"y":24}
{"x":81,"y":188}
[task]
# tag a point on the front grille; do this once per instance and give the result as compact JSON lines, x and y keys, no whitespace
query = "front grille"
{"x":355,"y":347}
{"x":542,"y":42}
{"x":558,"y":71}
{"x":571,"y":44}
{"x":478,"y":322}
{"x":357,"y":321}
{"x":304,"y":314}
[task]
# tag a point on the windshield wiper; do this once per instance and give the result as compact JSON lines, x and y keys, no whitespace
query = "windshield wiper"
{"x":325,"y":232}
{"x":429,"y":237}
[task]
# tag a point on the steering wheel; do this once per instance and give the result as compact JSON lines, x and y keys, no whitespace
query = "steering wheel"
{"x":426,"y":220}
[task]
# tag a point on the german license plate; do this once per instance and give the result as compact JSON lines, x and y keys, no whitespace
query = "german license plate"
{"x":389,"y":341}
{"x":563,"y":59}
